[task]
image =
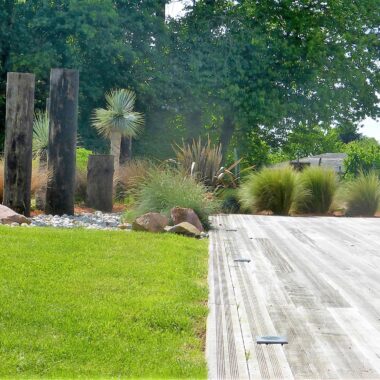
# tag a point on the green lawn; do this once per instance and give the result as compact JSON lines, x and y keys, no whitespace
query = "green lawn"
{"x":78,"y":303}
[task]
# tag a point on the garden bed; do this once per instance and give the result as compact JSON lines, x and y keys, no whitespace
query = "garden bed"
{"x":78,"y":303}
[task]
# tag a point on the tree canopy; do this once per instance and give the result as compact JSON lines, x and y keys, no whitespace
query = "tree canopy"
{"x":250,"y":74}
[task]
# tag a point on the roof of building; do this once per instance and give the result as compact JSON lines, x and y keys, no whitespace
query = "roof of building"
{"x":332,"y":160}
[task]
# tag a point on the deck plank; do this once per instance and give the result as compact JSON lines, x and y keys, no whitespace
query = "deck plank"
{"x":315,"y":280}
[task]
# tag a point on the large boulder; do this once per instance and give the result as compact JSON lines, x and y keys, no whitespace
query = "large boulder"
{"x":180,"y":215}
{"x":150,"y":222}
{"x":8,"y":216}
{"x":186,"y":229}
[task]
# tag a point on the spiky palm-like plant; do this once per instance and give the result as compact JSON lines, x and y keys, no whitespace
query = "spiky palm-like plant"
{"x":118,"y":119}
{"x":41,"y":135}
{"x":204,"y":158}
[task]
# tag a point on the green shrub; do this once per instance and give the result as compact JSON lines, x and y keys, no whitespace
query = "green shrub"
{"x":82,"y":158}
{"x":272,"y":189}
{"x":319,"y":185}
{"x":168,"y":188}
{"x":230,"y":201}
{"x":363,"y":195}
{"x":362,"y":156}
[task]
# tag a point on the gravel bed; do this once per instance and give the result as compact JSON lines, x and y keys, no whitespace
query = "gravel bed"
{"x":95,"y":221}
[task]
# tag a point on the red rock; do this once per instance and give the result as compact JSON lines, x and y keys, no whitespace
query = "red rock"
{"x":8,"y":216}
{"x":150,"y":222}
{"x":180,"y":215}
{"x":186,"y":229}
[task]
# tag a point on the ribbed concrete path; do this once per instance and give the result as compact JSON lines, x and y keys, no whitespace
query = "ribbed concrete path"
{"x":315,"y":280}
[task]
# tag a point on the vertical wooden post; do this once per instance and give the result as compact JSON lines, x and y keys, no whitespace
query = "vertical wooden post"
{"x":18,"y":141}
{"x":63,"y":114}
{"x":100,"y":172}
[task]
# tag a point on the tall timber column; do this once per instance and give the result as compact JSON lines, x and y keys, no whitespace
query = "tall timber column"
{"x":18,"y":141}
{"x":100,"y":172}
{"x":63,"y":114}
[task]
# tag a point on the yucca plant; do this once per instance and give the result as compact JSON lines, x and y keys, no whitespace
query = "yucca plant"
{"x":200,"y":159}
{"x":271,"y":189}
{"x":363,"y":195}
{"x":118,"y":119}
{"x":319,"y":185}
{"x":41,"y":136}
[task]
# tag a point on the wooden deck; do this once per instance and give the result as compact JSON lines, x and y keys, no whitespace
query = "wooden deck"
{"x":314,"y":280}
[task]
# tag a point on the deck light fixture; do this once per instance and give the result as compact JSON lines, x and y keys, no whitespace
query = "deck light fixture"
{"x":272,"y":340}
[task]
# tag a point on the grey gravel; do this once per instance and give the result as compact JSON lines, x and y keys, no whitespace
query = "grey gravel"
{"x":91,"y":221}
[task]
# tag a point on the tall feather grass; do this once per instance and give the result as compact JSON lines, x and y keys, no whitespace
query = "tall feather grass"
{"x":38,"y":179}
{"x":271,"y":189}
{"x":363,"y":195}
{"x":133,"y":173}
{"x":319,"y":185}
{"x":167,"y":188}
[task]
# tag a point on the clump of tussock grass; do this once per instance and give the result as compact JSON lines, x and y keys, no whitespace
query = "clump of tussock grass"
{"x":319,"y":185}
{"x":271,"y":189}
{"x":363,"y":195}
{"x":132,"y":174}
{"x":166,"y":188}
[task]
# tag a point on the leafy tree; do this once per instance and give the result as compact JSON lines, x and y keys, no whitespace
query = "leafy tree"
{"x":362,"y":156}
{"x":348,"y":132}
{"x":246,"y":73}
{"x":274,"y":65}
{"x":109,"y":41}
{"x":306,"y":141}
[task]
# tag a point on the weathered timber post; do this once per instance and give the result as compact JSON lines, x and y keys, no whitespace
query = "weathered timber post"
{"x":18,"y":141}
{"x":63,"y":115}
{"x":100,"y":170}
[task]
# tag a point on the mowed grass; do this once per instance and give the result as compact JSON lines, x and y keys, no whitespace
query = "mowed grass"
{"x":78,"y":303}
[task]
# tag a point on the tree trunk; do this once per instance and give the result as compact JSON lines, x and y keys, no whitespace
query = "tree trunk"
{"x":161,"y":9}
{"x":18,"y":142}
{"x":193,"y":124}
{"x":100,"y":170}
{"x":125,"y":149}
{"x":115,"y":140}
{"x":228,"y":127}
{"x":63,"y":115}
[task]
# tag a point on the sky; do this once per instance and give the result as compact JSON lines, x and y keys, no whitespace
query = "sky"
{"x":371,"y":127}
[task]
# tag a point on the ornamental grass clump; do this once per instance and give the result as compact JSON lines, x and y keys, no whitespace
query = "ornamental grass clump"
{"x":167,"y":188}
{"x":271,"y":189}
{"x":133,"y":173}
{"x":319,"y":186}
{"x":363,"y":195}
